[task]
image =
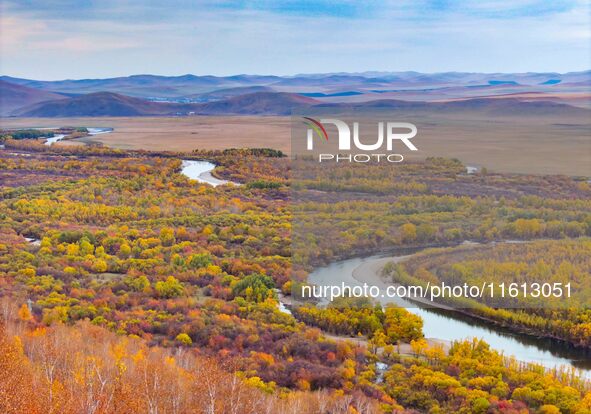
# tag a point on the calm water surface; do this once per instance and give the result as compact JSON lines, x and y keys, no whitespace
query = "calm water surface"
{"x":201,"y":171}
{"x":453,"y":326}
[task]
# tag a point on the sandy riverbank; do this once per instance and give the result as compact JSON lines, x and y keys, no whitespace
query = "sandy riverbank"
{"x":370,"y":272}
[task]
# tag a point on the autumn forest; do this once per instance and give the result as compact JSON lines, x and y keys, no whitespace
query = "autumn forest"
{"x":127,"y":287}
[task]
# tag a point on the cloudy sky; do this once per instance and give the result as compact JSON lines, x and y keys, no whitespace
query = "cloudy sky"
{"x":58,"y":39}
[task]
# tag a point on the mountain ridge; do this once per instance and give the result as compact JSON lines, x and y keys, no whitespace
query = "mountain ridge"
{"x":158,"y":86}
{"x":14,"y":96}
{"x":112,"y":104}
{"x":279,"y":103}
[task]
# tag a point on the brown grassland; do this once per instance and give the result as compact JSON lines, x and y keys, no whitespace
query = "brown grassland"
{"x":546,"y":145}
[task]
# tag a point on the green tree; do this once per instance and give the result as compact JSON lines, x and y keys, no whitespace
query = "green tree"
{"x":171,"y":288}
{"x":255,"y":287}
{"x":408,"y":232}
{"x":184,"y":339}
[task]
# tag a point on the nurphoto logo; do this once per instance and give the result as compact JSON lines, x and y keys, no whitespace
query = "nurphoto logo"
{"x":380,"y":150}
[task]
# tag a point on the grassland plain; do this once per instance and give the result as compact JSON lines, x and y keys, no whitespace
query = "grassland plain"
{"x":530,"y":145}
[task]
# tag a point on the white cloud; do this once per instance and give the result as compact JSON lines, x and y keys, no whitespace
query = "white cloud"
{"x":489,"y":36}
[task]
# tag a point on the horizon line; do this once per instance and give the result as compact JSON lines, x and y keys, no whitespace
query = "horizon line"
{"x":364,"y":73}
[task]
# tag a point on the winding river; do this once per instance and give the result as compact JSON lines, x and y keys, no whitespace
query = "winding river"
{"x":91,"y":131}
{"x":201,"y":171}
{"x":99,"y":131}
{"x":196,"y":170}
{"x":452,"y":326}
{"x":52,"y":140}
{"x":438,"y":324}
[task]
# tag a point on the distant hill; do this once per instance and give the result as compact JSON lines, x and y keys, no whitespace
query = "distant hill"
{"x":147,"y":86}
{"x":280,"y":103}
{"x":484,"y":106}
{"x":332,"y":81}
{"x":260,"y":103}
{"x":112,"y":104}
{"x":332,"y":84}
{"x":101,"y":104}
{"x":226,"y":93}
{"x":512,"y":106}
{"x":14,"y":96}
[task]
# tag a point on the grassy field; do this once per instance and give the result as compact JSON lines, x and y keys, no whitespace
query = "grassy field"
{"x":540,"y":145}
{"x":179,"y":133}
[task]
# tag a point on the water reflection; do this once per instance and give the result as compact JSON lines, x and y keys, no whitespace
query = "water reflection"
{"x":452,"y":326}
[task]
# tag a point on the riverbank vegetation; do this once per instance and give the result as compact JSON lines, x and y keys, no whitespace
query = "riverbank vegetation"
{"x":545,"y":262}
{"x":176,"y":277}
{"x":30,"y":134}
{"x":361,"y":209}
{"x":344,"y":316}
